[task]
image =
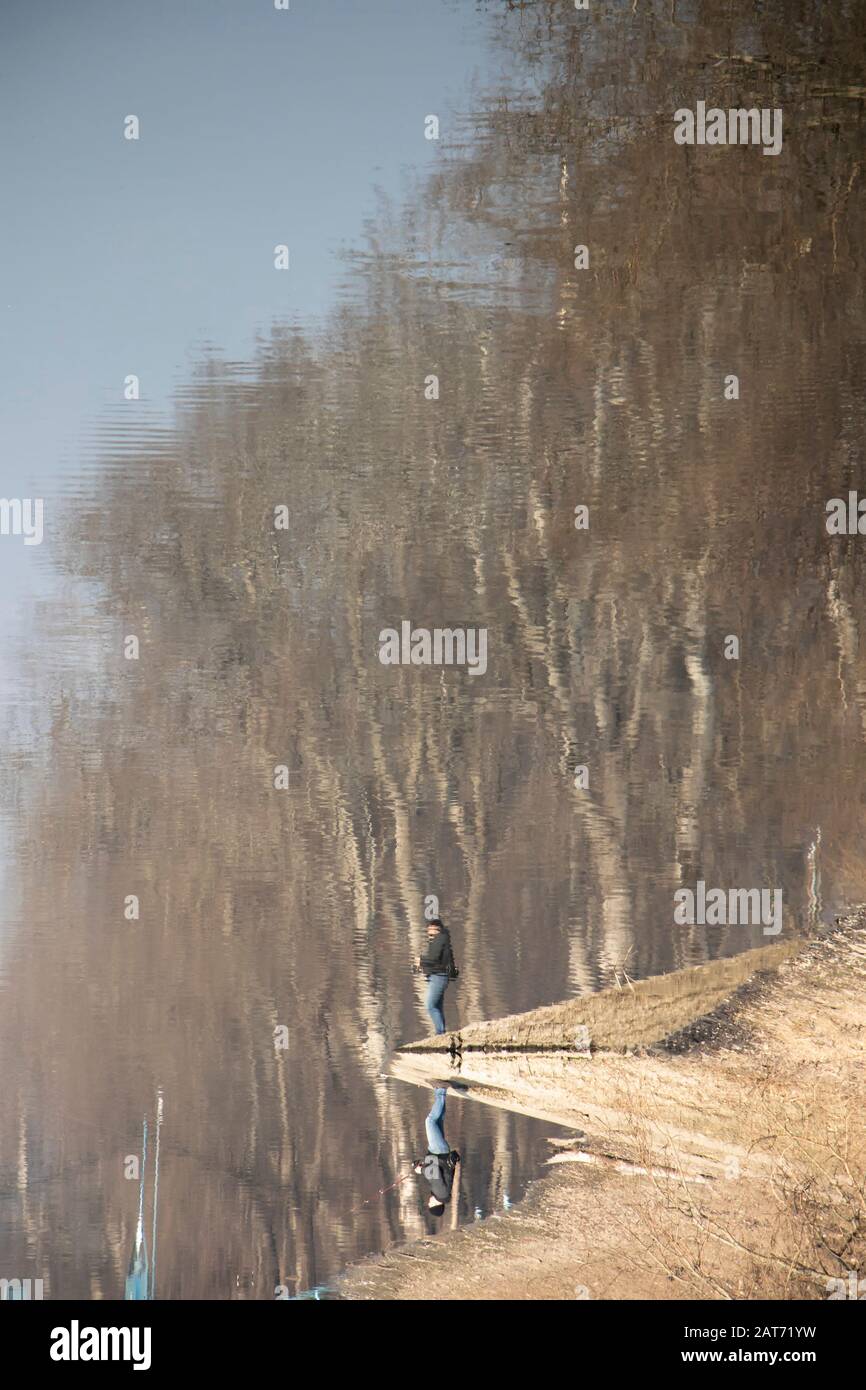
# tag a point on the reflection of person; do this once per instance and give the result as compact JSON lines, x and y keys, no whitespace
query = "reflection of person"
{"x":437,"y":964}
{"x":438,"y":1165}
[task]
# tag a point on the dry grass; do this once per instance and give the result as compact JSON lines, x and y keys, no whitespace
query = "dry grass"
{"x":637,"y":1015}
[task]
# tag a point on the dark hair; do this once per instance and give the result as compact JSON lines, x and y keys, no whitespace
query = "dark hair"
{"x":435,"y":922}
{"x":437,"y":1210}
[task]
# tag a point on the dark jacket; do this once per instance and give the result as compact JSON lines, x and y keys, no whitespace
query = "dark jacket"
{"x":438,"y":959}
{"x":438,"y":1172}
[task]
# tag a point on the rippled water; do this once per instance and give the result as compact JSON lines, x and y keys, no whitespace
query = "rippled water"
{"x":265,"y":906}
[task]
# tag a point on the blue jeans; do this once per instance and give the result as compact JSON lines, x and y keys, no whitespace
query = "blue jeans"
{"x":435,"y":1124}
{"x":436,"y":987}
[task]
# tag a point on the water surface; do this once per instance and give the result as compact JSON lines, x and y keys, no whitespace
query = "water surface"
{"x":265,"y":906}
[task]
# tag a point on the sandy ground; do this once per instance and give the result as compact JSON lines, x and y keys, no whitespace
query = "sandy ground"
{"x":725,"y":1161}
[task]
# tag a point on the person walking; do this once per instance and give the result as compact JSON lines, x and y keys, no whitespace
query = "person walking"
{"x":437,"y":964}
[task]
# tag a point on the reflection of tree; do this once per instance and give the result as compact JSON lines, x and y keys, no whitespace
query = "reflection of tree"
{"x":604,"y":387}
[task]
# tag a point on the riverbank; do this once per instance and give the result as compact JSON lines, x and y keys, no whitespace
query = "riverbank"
{"x":720,"y":1155}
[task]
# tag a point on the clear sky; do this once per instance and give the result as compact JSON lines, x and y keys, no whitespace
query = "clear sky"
{"x":257,"y":127}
